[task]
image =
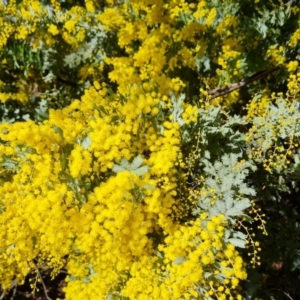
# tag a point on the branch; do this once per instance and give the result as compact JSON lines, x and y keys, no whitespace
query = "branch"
{"x":232,"y":87}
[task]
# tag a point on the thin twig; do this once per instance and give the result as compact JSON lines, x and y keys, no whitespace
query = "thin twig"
{"x":282,"y":292}
{"x":288,"y":295}
{"x":232,"y":87}
{"x":43,"y":284}
{"x":2,"y":295}
{"x":14,"y":292}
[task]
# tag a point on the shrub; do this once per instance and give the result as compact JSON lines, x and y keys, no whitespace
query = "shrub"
{"x":125,"y":159}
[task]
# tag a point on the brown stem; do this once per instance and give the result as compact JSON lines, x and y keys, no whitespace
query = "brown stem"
{"x":232,"y":87}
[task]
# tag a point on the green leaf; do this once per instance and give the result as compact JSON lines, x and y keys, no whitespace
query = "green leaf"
{"x":179,"y":260}
{"x":238,"y":208}
{"x":136,"y":162}
{"x":86,"y":142}
{"x":237,"y":242}
{"x":177,"y":109}
{"x":141,"y":171}
{"x":118,"y":169}
{"x":134,"y":167}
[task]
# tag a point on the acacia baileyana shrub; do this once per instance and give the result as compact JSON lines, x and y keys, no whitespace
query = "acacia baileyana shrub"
{"x":119,"y":164}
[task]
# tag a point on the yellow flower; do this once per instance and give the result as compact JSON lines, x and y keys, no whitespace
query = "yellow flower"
{"x":90,"y":6}
{"x":70,"y":26}
{"x":22,"y":33}
{"x":292,"y":66}
{"x":211,"y":16}
{"x":53,"y":29}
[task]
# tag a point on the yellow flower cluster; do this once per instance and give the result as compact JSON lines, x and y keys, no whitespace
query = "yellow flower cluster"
{"x":190,"y":114}
{"x":112,"y":229}
{"x":292,"y":66}
{"x":295,"y":37}
{"x":21,"y":96}
{"x":276,"y":54}
{"x":36,"y":227}
{"x":190,"y":252}
{"x":294,"y":84}
{"x":111,"y":225}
